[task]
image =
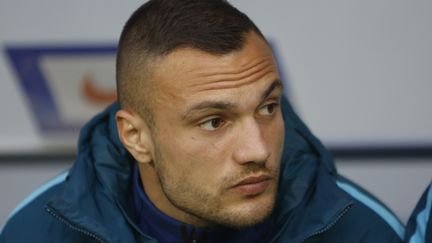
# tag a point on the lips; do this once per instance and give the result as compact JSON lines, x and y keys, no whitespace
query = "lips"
{"x":253,"y":185}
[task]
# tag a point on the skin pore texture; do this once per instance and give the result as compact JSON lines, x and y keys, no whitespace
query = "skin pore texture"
{"x":213,"y":156}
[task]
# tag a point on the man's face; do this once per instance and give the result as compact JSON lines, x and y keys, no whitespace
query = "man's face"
{"x":218,"y":135}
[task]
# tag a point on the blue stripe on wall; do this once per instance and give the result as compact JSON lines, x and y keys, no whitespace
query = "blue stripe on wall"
{"x":375,"y":206}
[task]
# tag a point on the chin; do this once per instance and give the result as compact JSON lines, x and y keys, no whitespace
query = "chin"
{"x":250,"y":213}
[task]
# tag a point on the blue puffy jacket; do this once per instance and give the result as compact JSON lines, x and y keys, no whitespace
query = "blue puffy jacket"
{"x":419,"y":228}
{"x":89,"y":202}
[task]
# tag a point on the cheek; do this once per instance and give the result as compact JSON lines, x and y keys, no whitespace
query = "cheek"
{"x":207,"y":160}
{"x":200,"y":161}
{"x":275,"y":135}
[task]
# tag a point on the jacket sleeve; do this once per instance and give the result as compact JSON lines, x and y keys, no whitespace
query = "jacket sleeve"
{"x":30,"y":222}
{"x":419,"y":227}
{"x":369,"y":218}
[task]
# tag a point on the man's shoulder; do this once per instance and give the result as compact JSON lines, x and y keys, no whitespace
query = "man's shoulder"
{"x":368,"y":217}
{"x":360,"y":224}
{"x":365,"y":219}
{"x":336,"y":210}
{"x":30,"y":221}
{"x":419,"y":227}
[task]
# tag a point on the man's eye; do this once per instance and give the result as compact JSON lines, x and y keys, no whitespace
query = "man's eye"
{"x":268,"y":109}
{"x":212,"y":124}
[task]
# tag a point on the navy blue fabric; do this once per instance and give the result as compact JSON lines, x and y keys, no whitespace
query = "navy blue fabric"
{"x":93,"y":203}
{"x":419,"y":227}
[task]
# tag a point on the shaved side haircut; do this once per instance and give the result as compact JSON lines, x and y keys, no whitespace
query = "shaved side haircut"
{"x":159,"y":27}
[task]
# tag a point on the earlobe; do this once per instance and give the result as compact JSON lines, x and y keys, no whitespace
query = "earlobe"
{"x":135,"y":135}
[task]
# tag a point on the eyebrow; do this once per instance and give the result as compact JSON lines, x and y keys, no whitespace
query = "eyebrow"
{"x":225,"y":105}
{"x":218,"y":105}
{"x":271,"y":88}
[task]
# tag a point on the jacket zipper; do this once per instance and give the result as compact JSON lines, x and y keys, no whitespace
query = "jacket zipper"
{"x":70,"y":225}
{"x":329,"y":226}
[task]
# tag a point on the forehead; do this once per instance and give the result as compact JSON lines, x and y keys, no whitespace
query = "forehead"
{"x":189,"y":69}
{"x":188,"y":76}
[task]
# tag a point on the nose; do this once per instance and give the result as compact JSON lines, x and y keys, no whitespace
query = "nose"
{"x":251,"y":146}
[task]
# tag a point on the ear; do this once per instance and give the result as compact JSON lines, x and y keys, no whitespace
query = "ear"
{"x":135,"y":135}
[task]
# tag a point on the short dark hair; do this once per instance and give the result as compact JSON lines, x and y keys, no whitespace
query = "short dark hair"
{"x":159,"y":27}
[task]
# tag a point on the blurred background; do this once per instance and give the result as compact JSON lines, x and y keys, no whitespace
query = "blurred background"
{"x":358,"y":72}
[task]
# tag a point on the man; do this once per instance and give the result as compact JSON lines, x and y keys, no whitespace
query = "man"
{"x":419,"y":227}
{"x":202,"y":148}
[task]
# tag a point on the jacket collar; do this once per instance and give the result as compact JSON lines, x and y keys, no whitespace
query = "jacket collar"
{"x":308,"y":200}
{"x":318,"y":210}
{"x":95,"y":198}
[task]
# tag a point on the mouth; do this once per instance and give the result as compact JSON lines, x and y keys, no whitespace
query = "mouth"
{"x":253,"y":185}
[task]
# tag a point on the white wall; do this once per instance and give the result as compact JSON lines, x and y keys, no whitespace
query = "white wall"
{"x":359,"y":70}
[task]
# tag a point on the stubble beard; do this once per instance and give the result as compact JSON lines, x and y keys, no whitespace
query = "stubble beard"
{"x":204,"y":206}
